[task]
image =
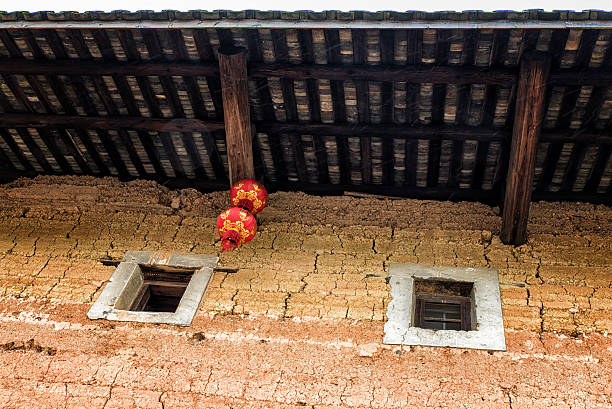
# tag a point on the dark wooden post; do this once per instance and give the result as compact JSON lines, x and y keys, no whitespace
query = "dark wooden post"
{"x":236,"y":112}
{"x":528,"y":117}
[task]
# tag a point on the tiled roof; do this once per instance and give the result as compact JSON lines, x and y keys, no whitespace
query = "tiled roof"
{"x":331,"y":15}
{"x":307,"y":126}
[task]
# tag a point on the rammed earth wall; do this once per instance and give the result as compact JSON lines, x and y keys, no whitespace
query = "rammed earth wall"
{"x":301,"y":323}
{"x":313,"y":256}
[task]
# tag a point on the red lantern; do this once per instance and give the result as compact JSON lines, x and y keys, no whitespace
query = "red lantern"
{"x":236,"y":226}
{"x":250,"y":195}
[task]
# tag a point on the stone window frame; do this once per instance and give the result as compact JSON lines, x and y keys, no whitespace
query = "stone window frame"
{"x":117,"y":296}
{"x":488,"y":321}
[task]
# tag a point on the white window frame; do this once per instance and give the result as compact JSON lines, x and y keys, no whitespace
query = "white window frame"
{"x":119,"y":293}
{"x":488,"y":332}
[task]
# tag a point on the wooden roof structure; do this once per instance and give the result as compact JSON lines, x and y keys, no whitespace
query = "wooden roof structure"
{"x":424,"y":105}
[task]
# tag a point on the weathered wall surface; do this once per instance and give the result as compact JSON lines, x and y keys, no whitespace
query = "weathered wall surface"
{"x":316,"y":260}
{"x":313,"y":256}
{"x":228,"y":362}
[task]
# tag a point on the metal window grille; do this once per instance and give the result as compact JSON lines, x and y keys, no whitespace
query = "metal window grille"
{"x":442,"y":312}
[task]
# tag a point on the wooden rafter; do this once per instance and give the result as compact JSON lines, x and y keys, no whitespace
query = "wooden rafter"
{"x":147,"y":103}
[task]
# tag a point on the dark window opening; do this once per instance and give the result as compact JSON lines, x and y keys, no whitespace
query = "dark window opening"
{"x":162,"y":289}
{"x":444,"y":312}
{"x":443,"y":305}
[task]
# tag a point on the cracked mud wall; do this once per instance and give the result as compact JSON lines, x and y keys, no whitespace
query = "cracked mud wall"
{"x":228,"y":362}
{"x":313,"y":256}
{"x":301,"y":323}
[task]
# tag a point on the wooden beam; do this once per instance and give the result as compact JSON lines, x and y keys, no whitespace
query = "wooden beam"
{"x":408,"y":73}
{"x":453,"y":75}
{"x":588,"y":76}
{"x":165,"y":269}
{"x":437,"y":132}
{"x":108,"y":122}
{"x":80,"y":67}
{"x":525,"y":137}
{"x":596,"y":137}
{"x":236,"y":113}
{"x":385,"y":73}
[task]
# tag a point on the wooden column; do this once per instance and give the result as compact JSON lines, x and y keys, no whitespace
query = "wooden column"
{"x":528,"y":117}
{"x":236,"y":112}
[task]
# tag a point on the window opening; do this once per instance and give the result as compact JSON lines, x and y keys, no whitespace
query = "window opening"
{"x":447,"y":313}
{"x":162,"y":288}
{"x":155,"y":287}
{"x":443,"y":305}
{"x":458,"y":307}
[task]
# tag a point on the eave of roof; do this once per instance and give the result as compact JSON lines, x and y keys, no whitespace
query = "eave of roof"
{"x":308,"y":19}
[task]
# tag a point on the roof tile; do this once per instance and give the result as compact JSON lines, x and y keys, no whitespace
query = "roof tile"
{"x":493,"y":15}
{"x":330,"y":15}
{"x":517,"y":15}
{"x":35,"y":16}
{"x":373,"y":15}
{"x":236,"y":15}
{"x":55,"y":16}
{"x":548,"y":15}
{"x":184,"y":15}
{"x":317,"y":15}
{"x":346,"y":15}
{"x":578,"y":15}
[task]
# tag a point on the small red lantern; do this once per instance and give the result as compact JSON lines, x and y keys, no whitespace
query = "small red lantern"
{"x":236,"y":226}
{"x":250,"y":195}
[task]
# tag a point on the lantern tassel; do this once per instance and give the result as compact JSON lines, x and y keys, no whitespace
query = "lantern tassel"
{"x":230,"y":241}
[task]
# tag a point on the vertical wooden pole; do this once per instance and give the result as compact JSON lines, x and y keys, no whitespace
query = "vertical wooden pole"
{"x":236,"y":112}
{"x":528,"y":117}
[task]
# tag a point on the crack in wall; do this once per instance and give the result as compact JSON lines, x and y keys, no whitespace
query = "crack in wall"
{"x":90,"y":231}
{"x":110,"y":389}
